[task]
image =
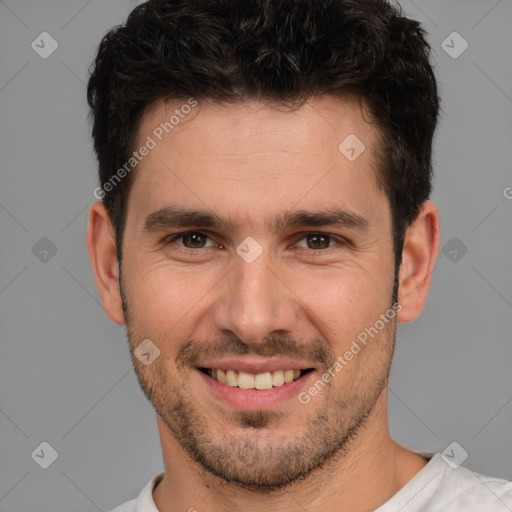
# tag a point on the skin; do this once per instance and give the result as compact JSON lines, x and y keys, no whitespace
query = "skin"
{"x":249,"y":162}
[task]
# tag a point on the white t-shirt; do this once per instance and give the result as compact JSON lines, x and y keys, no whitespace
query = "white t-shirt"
{"x":436,"y":488}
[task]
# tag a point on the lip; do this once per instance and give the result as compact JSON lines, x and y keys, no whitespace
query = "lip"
{"x":254,"y":399}
{"x":255,"y":364}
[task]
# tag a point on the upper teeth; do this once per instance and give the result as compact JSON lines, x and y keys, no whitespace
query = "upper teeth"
{"x":245,"y":380}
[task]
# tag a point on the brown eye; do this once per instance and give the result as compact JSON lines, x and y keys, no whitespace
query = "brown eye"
{"x":317,"y":241}
{"x":191,"y":240}
{"x":194,"y":240}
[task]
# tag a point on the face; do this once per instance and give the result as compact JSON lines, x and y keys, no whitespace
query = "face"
{"x":255,"y":255}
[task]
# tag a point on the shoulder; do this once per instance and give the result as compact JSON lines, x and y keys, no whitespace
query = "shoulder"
{"x":444,"y":486}
{"x":464,"y":489}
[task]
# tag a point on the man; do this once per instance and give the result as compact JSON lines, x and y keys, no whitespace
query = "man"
{"x":265,"y":172}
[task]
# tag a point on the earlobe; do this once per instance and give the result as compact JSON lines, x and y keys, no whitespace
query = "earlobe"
{"x":102,"y":253}
{"x":421,"y":245}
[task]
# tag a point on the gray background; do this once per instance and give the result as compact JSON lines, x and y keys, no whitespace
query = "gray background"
{"x":66,"y":376}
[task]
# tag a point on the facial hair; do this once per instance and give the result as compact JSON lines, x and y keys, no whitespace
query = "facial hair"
{"x":256,"y":454}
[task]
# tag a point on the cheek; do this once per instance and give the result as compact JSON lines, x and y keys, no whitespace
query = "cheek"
{"x":166,"y":302}
{"x":345,"y":302}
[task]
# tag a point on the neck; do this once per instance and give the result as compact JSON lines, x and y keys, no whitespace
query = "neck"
{"x":360,"y":478}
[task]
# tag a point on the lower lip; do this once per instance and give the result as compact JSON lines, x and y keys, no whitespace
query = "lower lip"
{"x":254,"y":399}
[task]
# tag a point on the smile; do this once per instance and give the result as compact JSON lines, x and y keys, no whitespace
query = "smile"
{"x":260,"y":381}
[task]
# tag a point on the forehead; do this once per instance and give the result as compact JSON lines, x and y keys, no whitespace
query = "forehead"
{"x":252,"y":156}
{"x":251,"y":125}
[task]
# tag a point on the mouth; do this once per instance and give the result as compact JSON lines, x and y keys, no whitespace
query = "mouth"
{"x":255,"y":386}
{"x":251,"y":382}
{"x":260,"y":381}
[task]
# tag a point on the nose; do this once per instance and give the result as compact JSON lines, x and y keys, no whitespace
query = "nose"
{"x":255,"y":301}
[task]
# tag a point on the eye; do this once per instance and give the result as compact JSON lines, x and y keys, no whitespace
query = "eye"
{"x":318,"y":241}
{"x":192,"y":240}
{"x":197,"y":240}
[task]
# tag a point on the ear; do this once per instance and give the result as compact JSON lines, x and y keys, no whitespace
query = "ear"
{"x":421,"y":245}
{"x":102,"y":252}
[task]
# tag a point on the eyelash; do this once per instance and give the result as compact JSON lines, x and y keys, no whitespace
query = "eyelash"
{"x":339,"y":241}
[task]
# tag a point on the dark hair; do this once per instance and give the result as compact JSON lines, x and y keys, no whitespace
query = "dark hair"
{"x":283,"y":51}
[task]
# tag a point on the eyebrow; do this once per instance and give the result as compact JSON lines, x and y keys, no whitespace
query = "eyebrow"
{"x":172,"y":217}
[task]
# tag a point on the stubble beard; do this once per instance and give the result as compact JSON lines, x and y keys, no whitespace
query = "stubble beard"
{"x":257,"y":454}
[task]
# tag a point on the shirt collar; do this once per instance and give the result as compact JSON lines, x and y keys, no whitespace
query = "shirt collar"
{"x":145,"y":501}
